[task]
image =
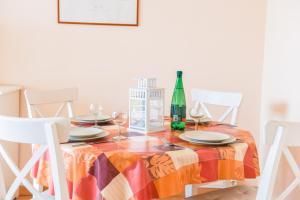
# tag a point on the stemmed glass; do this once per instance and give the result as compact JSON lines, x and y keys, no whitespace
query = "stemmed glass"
{"x":119,"y":118}
{"x":196,"y":116}
{"x":96,"y":110}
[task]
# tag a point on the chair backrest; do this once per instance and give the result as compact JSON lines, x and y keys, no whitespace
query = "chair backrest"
{"x":230,"y":100}
{"x":64,"y":97}
{"x":45,"y":132}
{"x":279,"y":136}
{"x":2,"y":184}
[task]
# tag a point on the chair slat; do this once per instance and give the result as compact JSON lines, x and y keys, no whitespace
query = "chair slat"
{"x":36,"y":98}
{"x":226,"y":114}
{"x":56,"y":155}
{"x":47,"y":133}
{"x":217,"y":98}
{"x":40,"y":97}
{"x":2,"y":186}
{"x":267,"y":181}
{"x":291,"y":161}
{"x":60,"y":109}
{"x":290,"y":138}
{"x":231,"y":100}
{"x":31,"y":130}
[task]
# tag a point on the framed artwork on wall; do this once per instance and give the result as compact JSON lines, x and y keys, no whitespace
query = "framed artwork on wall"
{"x":99,"y":12}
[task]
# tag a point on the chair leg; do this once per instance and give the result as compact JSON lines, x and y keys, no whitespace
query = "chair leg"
{"x":190,"y":190}
{"x":2,"y":186}
{"x":37,"y":186}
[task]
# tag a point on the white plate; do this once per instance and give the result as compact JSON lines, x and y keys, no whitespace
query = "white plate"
{"x":82,"y":132}
{"x":98,"y":136}
{"x":207,"y":136}
{"x":224,"y":142}
{"x":91,"y":118}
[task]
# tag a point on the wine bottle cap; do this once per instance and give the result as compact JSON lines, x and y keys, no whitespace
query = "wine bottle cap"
{"x":179,"y":73}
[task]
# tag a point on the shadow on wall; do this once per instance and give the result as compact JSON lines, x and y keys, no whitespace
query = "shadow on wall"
{"x":278,"y":111}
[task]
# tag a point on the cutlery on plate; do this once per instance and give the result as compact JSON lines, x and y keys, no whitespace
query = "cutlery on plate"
{"x":211,"y":123}
{"x":218,"y":124}
{"x":166,"y":142}
{"x":89,"y":143}
{"x":225,"y":124}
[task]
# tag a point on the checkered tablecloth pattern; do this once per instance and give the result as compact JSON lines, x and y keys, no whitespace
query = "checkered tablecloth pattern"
{"x":142,"y":168}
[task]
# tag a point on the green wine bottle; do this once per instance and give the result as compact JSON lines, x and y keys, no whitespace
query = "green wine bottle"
{"x":178,"y":105}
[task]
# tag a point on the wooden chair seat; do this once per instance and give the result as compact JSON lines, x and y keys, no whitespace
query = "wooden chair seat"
{"x":235,"y":193}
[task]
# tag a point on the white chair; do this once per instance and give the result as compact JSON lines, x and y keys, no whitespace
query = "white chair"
{"x":2,"y":184}
{"x":291,"y":139}
{"x":279,"y":136}
{"x":230,"y":100}
{"x":45,"y":132}
{"x":35,"y":98}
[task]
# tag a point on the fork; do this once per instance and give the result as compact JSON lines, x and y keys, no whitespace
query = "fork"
{"x":166,"y":142}
{"x":90,"y":143}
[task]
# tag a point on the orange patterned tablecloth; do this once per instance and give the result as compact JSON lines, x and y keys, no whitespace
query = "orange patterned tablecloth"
{"x":142,"y":168}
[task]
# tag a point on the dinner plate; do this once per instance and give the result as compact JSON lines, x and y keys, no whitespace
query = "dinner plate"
{"x":91,"y":118}
{"x":98,"y":136}
{"x":82,"y":132}
{"x":224,"y":142}
{"x":207,"y":136}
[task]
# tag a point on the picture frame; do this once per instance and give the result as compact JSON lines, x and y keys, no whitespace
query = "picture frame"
{"x":98,"y":12}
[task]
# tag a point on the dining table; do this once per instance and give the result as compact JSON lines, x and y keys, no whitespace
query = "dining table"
{"x":150,"y":166}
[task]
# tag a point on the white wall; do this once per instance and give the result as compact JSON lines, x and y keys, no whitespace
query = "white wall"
{"x":218,"y":44}
{"x":281,"y":74}
{"x":282,"y":60}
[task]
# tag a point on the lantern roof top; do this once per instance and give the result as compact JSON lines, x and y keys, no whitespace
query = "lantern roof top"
{"x":146,"y":82}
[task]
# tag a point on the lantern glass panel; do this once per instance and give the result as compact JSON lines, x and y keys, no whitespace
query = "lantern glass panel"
{"x":137,"y":113}
{"x":156,"y":118}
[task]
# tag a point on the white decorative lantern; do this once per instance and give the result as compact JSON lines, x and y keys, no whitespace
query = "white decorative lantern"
{"x":146,"y":104}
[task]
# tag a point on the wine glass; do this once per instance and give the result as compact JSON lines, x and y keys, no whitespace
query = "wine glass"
{"x":119,"y":118}
{"x":95,"y":110}
{"x":196,"y":116}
